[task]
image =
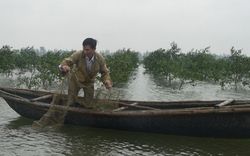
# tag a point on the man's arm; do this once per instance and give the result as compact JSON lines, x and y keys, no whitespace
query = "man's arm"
{"x":105,"y":74}
{"x":64,"y":67}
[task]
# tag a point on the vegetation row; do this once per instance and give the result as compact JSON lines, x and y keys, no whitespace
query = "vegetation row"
{"x":34,"y":71}
{"x":174,"y":67}
{"x":199,"y":65}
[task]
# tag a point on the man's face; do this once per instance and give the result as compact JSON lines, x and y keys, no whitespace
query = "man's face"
{"x":88,"y":51}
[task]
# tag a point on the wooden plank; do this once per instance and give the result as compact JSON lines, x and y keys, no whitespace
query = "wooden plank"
{"x":224,"y":103}
{"x":135,"y":106}
{"x":25,"y":91}
{"x":9,"y":94}
{"x":42,"y":97}
{"x":124,"y":107}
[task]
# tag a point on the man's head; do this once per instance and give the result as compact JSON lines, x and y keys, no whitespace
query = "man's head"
{"x":90,"y":41}
{"x":89,"y":47}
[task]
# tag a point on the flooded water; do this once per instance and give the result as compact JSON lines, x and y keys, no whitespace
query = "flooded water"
{"x":18,"y":139}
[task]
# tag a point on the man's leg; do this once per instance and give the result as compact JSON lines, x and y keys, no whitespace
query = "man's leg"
{"x":73,"y":90}
{"x":88,"y":93}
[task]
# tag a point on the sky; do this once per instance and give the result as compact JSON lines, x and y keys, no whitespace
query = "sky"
{"x":140,"y":25}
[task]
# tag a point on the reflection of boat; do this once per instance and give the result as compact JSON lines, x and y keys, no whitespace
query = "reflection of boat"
{"x":230,"y":118}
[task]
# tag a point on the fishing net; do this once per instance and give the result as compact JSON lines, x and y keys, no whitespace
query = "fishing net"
{"x":102,"y":99}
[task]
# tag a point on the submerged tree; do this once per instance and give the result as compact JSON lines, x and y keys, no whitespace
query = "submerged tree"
{"x":236,"y":70}
{"x":121,"y":64}
{"x":7,"y":60}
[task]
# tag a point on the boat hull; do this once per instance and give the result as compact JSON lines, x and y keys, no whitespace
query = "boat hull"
{"x":227,"y":125}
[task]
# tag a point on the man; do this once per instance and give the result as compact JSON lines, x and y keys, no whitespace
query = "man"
{"x":86,"y":64}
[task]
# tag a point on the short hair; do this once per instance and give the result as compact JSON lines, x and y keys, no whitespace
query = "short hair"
{"x":90,"y":41}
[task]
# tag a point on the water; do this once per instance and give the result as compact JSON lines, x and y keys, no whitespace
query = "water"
{"x":17,"y":137}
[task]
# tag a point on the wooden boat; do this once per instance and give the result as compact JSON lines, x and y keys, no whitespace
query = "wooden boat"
{"x":222,"y":118}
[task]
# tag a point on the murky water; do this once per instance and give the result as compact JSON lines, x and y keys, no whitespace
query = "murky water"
{"x":17,"y":137}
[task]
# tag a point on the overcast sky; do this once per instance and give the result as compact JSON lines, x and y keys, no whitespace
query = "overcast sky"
{"x":141,"y":25}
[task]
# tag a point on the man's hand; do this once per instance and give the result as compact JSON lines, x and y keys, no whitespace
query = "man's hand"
{"x":65,"y":68}
{"x":108,"y":85}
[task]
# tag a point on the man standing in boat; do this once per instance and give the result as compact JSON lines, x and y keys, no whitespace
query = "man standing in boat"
{"x":86,"y":64}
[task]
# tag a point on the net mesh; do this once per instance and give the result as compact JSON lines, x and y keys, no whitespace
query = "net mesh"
{"x":103,"y":100}
{"x":55,"y":116}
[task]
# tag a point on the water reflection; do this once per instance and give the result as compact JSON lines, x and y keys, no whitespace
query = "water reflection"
{"x":111,"y":142}
{"x":145,"y":87}
{"x":19,"y":139}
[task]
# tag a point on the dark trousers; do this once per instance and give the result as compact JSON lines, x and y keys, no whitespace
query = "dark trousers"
{"x":74,"y":90}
